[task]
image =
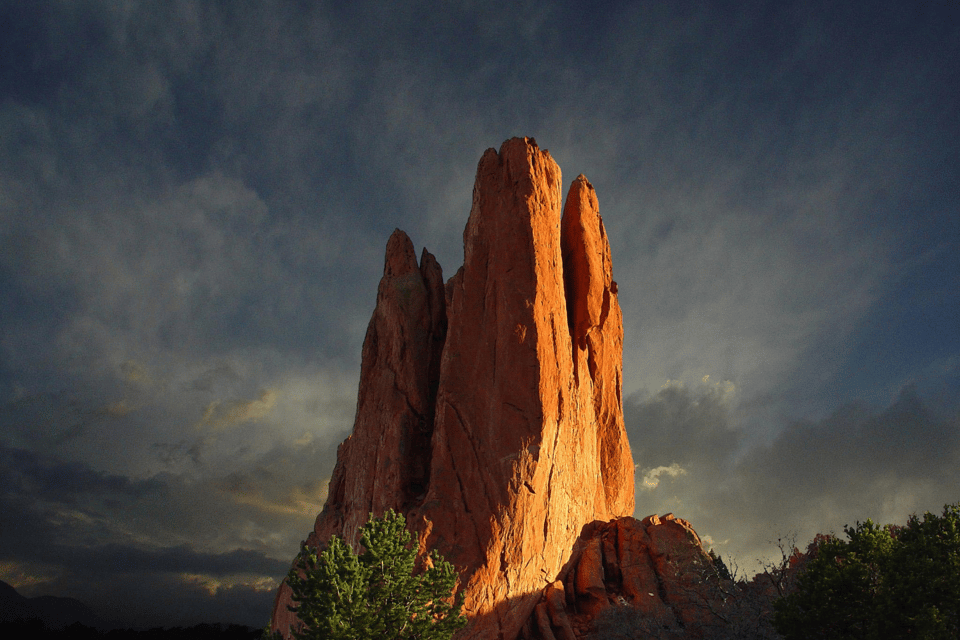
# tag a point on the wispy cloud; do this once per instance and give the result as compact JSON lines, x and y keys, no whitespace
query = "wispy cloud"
{"x":219,"y":414}
{"x":651,"y":477}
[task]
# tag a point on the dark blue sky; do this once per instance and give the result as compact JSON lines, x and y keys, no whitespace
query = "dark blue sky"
{"x":195,"y":198}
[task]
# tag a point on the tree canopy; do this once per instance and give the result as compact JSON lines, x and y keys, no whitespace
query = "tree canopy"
{"x":378,"y":594}
{"x":882,"y":582}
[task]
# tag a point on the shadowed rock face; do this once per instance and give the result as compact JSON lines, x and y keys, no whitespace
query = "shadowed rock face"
{"x":655,"y":566}
{"x":489,"y":409}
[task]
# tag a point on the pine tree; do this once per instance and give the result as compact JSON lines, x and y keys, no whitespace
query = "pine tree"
{"x":375,"y":595}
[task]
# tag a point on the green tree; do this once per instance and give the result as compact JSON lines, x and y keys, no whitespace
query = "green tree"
{"x":882,"y":582}
{"x":377,"y":594}
{"x":923,"y":599}
{"x":835,"y":594}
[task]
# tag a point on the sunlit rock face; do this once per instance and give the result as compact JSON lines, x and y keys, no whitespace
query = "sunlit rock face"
{"x":489,"y":408}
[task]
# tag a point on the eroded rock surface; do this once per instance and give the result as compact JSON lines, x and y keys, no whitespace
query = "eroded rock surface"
{"x":489,"y":410}
{"x":656,"y":566}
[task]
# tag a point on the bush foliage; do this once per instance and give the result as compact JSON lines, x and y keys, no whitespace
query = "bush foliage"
{"x":882,"y":582}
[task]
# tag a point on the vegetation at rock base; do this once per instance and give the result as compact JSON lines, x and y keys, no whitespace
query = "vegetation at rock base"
{"x":882,"y":582}
{"x":378,"y":594}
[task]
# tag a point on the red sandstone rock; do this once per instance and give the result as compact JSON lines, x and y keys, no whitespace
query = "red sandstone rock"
{"x":656,"y":566}
{"x":544,"y":626}
{"x":523,"y":459}
{"x":489,"y":410}
{"x":589,"y":579}
{"x":556,"y":606}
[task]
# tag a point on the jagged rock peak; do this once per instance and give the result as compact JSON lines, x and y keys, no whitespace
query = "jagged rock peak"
{"x":489,"y":409}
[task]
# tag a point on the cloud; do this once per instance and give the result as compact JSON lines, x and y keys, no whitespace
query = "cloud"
{"x":116,"y":409}
{"x":135,"y":373}
{"x":267,"y":505}
{"x":721,"y":272}
{"x":879,"y":461}
{"x":47,"y":478}
{"x":219,"y":414}
{"x":203,"y":545}
{"x":147,"y":600}
{"x":101,"y":561}
{"x":813,"y":477}
{"x":305,"y":500}
{"x":651,"y":477}
{"x":115,"y":558}
{"x":220,"y":373}
{"x":679,"y":424}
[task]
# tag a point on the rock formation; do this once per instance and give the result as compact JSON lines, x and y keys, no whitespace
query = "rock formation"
{"x":489,"y":409}
{"x":656,"y":567}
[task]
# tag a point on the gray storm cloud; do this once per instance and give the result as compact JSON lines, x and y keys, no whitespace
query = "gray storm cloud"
{"x":813,"y":477}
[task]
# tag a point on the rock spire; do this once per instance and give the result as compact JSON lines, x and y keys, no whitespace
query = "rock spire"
{"x":489,"y":408}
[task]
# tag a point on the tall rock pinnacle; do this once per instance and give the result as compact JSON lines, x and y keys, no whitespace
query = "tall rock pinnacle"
{"x":489,"y":409}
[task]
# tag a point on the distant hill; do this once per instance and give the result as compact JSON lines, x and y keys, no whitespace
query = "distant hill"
{"x":54,"y":612}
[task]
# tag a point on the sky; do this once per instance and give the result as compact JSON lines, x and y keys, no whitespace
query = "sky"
{"x":195,"y":198}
